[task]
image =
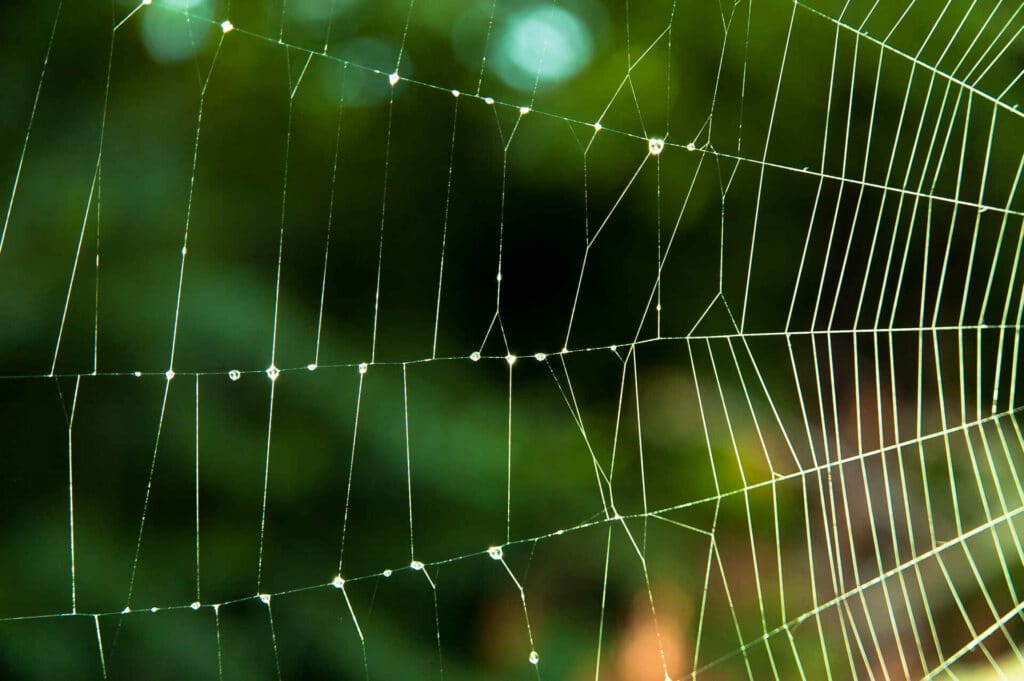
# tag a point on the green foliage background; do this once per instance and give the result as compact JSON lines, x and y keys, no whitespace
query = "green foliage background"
{"x":263,"y":169}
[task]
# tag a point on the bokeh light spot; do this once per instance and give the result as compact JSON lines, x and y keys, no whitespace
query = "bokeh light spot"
{"x":544,"y":40}
{"x":169,"y":37}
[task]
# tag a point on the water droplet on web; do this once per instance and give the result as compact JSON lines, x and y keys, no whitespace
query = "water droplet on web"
{"x":455,"y":93}
{"x":154,"y":609}
{"x":691,"y":146}
{"x":597,"y":127}
{"x":363,"y":367}
{"x":475,"y":356}
{"x":387,"y":573}
{"x":393,"y":78}
{"x":495,"y":552}
{"x":234,"y":374}
{"x":126,"y":610}
{"x":265,"y":598}
{"x":169,"y":374}
{"x":311,"y":366}
{"x":416,"y":565}
{"x":488,"y":100}
{"x":534,"y":657}
{"x":338,"y":582}
{"x":137,"y":374}
{"x":273,"y":372}
{"x":511,"y":359}
{"x":655,"y":145}
{"x":195,"y":605}
{"x":540,"y":356}
{"x":184,"y":250}
{"x":226,"y":26}
{"x":523,"y":110}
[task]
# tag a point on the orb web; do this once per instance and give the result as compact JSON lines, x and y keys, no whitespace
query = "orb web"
{"x":674,"y":341}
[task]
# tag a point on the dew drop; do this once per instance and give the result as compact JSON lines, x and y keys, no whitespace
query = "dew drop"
{"x":265,"y":598}
{"x":364,"y":367}
{"x":273,"y":372}
{"x":195,"y":605}
{"x":540,"y":356}
{"x":226,"y":26}
{"x":311,"y":366}
{"x":234,"y":374}
{"x":393,"y":78}
{"x":475,"y":356}
{"x":495,"y":552}
{"x":655,"y":145}
{"x":169,"y":374}
{"x":488,"y":100}
{"x":338,"y":582}
{"x":416,"y":565}
{"x":534,"y":657}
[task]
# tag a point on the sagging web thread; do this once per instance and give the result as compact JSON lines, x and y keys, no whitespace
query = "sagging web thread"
{"x":960,"y":89}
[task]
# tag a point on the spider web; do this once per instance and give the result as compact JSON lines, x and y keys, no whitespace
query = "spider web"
{"x":331,"y":356}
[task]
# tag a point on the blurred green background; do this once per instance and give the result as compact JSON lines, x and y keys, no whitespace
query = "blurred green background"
{"x":827,"y":167}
